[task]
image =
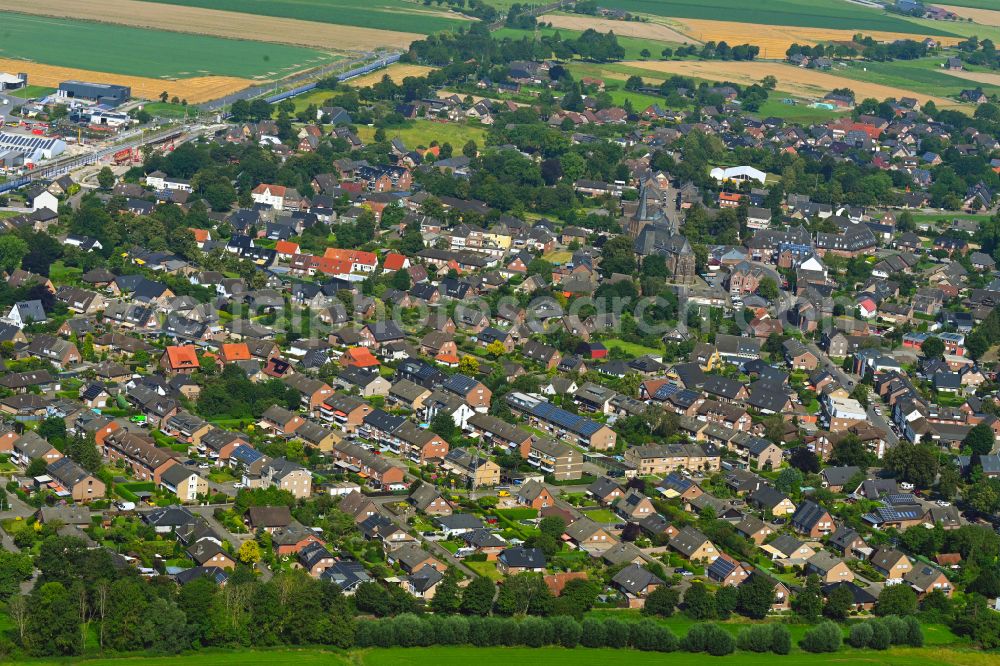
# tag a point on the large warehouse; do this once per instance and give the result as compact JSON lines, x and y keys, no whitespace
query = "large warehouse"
{"x":34,"y":148}
{"x":102,"y":93}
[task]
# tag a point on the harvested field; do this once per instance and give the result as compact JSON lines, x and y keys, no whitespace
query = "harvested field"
{"x":194,"y":90}
{"x":774,"y":40}
{"x":397,"y":72}
{"x":218,"y":23}
{"x":988,"y":78}
{"x":982,"y":16}
{"x":795,"y":80}
{"x":655,"y":31}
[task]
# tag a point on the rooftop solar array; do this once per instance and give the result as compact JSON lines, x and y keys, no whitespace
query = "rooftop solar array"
{"x":566,"y":420}
{"x":26,"y":142}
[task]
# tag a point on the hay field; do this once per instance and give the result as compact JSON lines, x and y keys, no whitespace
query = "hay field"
{"x":774,"y":40}
{"x":987,"y":78}
{"x":217,"y":23}
{"x":655,"y":31}
{"x":983,"y":16}
{"x":795,"y":80}
{"x":397,"y":72}
{"x":195,"y":90}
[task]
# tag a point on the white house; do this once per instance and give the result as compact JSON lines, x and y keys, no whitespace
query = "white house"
{"x":44,"y":199}
{"x":26,"y":312}
{"x":270,"y":195}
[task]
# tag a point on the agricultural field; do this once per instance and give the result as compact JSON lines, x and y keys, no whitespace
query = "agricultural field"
{"x":119,"y":49}
{"x":397,"y":72}
{"x":797,"y":81}
{"x":400,"y":15}
{"x":422,"y":132}
{"x":217,"y":23}
{"x":989,"y":16}
{"x":34,"y":92}
{"x":774,"y":40}
{"x":833,"y":14}
{"x":654,"y":31}
{"x":924,"y":76}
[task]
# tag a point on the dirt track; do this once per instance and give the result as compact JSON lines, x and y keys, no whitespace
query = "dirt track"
{"x":656,"y":31}
{"x":194,"y":90}
{"x":217,"y":23}
{"x":795,"y":80}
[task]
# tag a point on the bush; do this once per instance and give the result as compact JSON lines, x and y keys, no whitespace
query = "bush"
{"x":897,"y":629}
{"x":535,"y":632}
{"x":616,"y":634}
{"x":566,"y":631}
{"x":592,"y":633}
{"x":756,"y":638}
{"x":915,"y":633}
{"x":708,"y":638}
{"x":824,"y":637}
{"x":781,"y":639}
{"x":881,"y":636}
{"x":860,"y":636}
{"x":649,"y":635}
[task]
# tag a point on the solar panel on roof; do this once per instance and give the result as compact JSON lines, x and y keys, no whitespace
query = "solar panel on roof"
{"x":666,"y":391}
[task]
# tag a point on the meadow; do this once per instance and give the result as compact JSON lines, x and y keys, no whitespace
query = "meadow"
{"x":422,"y":132}
{"x":381,"y":14}
{"x":836,"y":14}
{"x":141,"y":52}
{"x":922,"y":76}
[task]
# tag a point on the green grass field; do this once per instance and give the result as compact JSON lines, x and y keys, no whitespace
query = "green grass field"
{"x":550,"y":656}
{"x":798,"y":113}
{"x":837,"y":14}
{"x":921,"y":76}
{"x":33,"y":92}
{"x":976,"y":4}
{"x":381,"y":14}
{"x":421,"y":132}
{"x":168,"y":110}
{"x":630,"y":347}
{"x":458,"y":656}
{"x":962,"y":28}
{"x":120,"y":49}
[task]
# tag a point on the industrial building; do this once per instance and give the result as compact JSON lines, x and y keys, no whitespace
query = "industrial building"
{"x":102,"y":93}
{"x":34,"y":148}
{"x":13,"y":81}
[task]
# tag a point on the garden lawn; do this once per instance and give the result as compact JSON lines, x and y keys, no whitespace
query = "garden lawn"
{"x":630,"y":347}
{"x":488,"y":569}
{"x":422,"y":132}
{"x":601,"y":516}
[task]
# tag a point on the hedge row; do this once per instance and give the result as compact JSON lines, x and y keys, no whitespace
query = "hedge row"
{"x":882,"y":633}
{"x":410,"y":630}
